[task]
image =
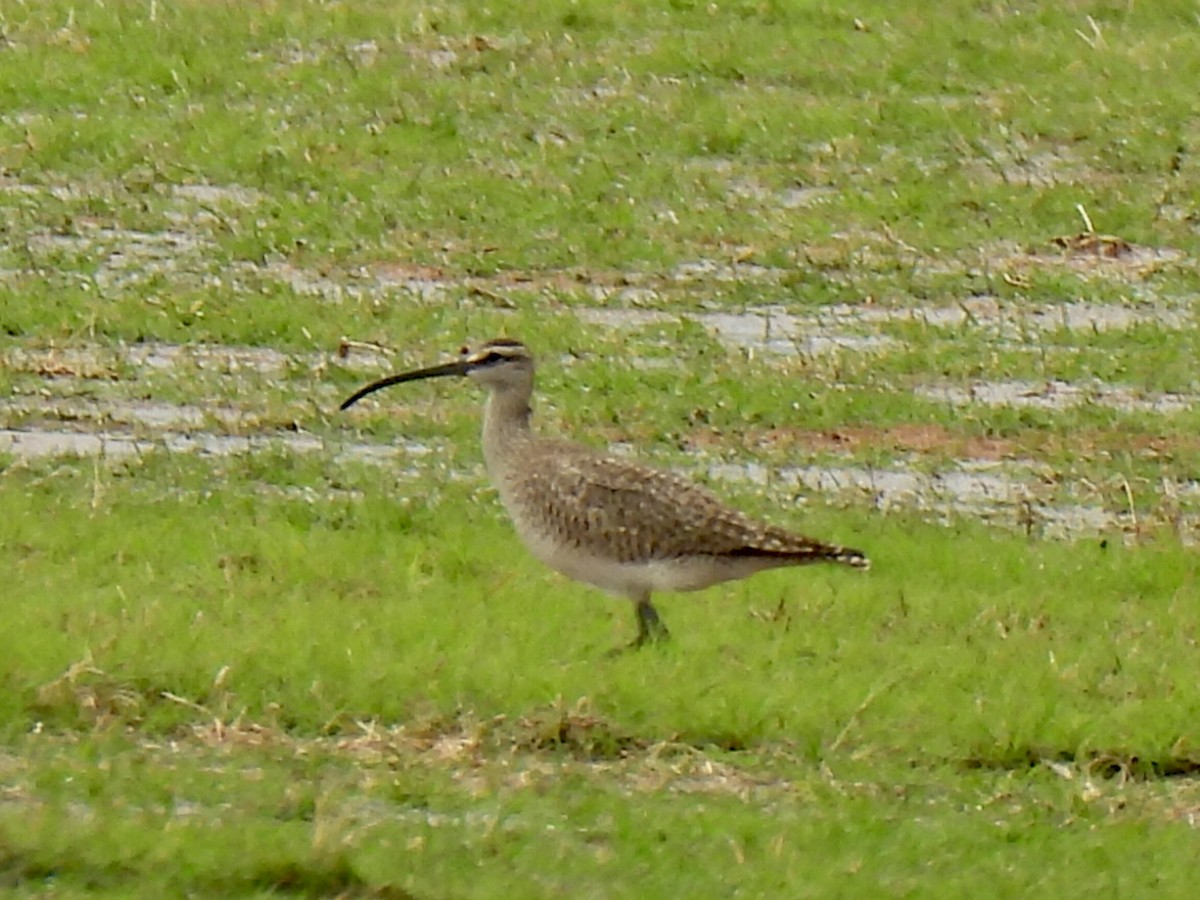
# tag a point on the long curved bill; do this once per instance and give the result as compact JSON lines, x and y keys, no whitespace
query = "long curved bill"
{"x":455,"y":368}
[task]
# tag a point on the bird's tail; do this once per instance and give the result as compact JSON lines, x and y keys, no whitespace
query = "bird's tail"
{"x":798,"y":551}
{"x":847,"y":556}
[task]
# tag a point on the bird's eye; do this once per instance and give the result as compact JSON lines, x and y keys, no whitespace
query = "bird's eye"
{"x":492,"y":357}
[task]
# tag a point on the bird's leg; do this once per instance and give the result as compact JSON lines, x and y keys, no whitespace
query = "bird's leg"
{"x":650,"y":626}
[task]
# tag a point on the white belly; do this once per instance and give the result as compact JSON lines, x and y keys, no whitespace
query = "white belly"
{"x":637,"y":578}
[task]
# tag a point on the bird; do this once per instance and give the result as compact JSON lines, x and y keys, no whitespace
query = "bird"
{"x":624,"y":527}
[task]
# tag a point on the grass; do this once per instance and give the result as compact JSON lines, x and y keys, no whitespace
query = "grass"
{"x":739,"y":236}
{"x":160,"y":702}
{"x":361,"y":596}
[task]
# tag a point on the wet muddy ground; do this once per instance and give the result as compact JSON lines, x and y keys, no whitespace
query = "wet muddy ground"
{"x":998,"y":485}
{"x":92,"y":399}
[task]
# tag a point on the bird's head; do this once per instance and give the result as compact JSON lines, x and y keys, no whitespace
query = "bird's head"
{"x":499,"y":364}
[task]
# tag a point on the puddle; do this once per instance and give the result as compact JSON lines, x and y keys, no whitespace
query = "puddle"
{"x":44,"y":443}
{"x":359,"y":285}
{"x":222,"y":359}
{"x":35,"y":444}
{"x":121,"y":243}
{"x":219,"y":194}
{"x":774,"y":332}
{"x":104,"y":362}
{"x":145,"y":413}
{"x":777,"y":330}
{"x":979,"y":490}
{"x":707,"y":270}
{"x":1017,"y":320}
{"x":785,"y":334}
{"x":1057,"y":395}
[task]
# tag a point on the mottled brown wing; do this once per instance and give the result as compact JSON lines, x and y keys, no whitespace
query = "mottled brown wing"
{"x":608,"y":505}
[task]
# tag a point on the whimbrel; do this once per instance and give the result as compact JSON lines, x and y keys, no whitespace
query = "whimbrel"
{"x":626,"y":528}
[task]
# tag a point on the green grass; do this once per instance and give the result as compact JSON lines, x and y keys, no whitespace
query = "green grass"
{"x":370,"y":603}
{"x":240,"y":685}
{"x":300,"y":668}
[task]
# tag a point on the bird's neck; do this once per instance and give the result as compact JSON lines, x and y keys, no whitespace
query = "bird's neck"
{"x":506,"y":430}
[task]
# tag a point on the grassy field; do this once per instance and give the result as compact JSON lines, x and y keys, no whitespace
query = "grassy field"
{"x":923,"y":284}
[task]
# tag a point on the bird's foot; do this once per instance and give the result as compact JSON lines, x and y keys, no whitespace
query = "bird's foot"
{"x":651,"y":629}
